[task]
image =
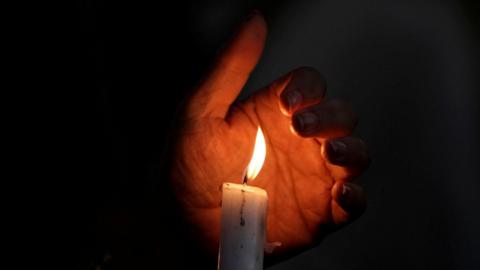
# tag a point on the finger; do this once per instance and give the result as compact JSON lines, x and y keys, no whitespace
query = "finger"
{"x":305,"y":87}
{"x":349,"y":202}
{"x":331,"y":118}
{"x":350,"y":153}
{"x":230,"y":71}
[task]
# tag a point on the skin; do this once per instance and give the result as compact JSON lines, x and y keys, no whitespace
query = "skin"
{"x":308,"y":169}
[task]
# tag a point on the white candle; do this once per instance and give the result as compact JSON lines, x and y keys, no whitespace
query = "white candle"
{"x":243,"y":223}
{"x":242,"y":241}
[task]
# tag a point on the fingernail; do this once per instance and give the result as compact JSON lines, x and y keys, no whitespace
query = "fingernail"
{"x":345,"y":189}
{"x":305,"y":122}
{"x":346,"y":194}
{"x":252,"y":14}
{"x":337,"y":150}
{"x":293,"y":99}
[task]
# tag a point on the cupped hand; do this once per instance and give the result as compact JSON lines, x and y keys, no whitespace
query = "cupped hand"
{"x":310,"y":160}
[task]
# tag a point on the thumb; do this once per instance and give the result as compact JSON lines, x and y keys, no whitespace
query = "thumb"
{"x":230,"y":71}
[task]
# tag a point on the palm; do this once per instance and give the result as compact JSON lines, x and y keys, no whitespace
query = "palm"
{"x":214,"y":151}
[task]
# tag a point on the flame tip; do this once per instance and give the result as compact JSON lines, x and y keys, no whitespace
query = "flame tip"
{"x":258,"y":156}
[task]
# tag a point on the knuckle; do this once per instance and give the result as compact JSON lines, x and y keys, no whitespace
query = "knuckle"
{"x":341,"y":104}
{"x":310,"y":73}
{"x":344,"y":110}
{"x":363,"y":154}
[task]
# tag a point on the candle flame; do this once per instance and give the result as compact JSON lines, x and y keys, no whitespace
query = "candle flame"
{"x":258,"y":157}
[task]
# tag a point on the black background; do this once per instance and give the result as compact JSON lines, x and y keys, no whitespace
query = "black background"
{"x":410,"y":68}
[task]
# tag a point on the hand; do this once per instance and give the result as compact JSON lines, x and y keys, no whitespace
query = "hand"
{"x":310,"y":157}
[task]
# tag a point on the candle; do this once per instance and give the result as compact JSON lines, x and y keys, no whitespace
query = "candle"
{"x":244,"y":210}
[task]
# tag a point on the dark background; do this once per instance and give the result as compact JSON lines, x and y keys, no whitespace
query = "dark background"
{"x":410,"y":68}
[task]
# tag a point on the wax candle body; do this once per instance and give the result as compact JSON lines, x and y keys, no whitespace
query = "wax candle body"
{"x":244,"y":210}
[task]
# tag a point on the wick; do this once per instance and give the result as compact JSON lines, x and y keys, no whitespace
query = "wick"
{"x":245,"y":179}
